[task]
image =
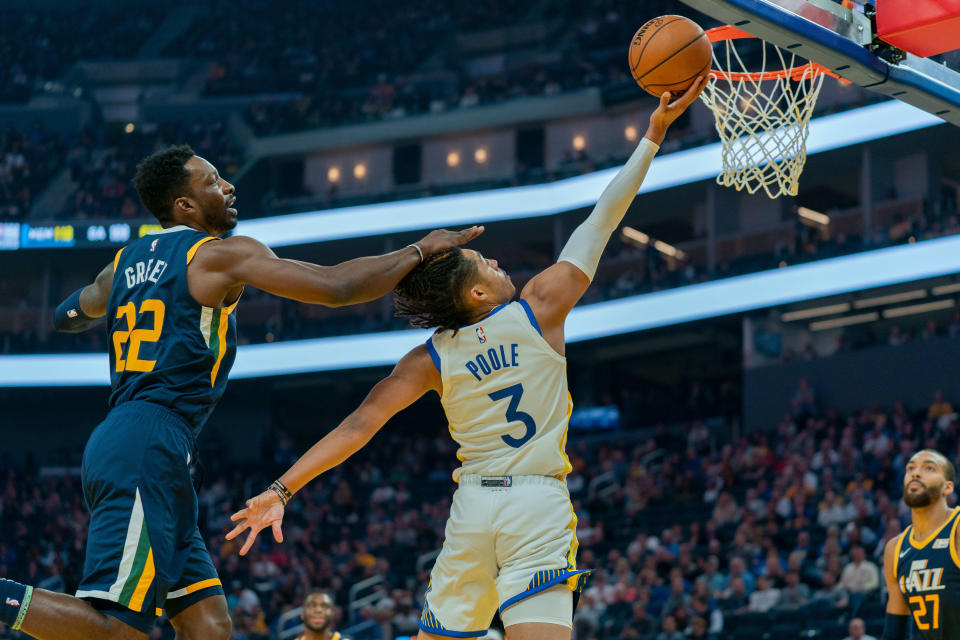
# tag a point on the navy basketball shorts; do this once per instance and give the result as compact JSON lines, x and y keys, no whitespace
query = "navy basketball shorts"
{"x":145,"y":554}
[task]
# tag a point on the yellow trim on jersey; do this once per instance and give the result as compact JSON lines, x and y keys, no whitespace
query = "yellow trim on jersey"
{"x":572,"y":554}
{"x":567,"y":467}
{"x":193,"y":588}
{"x":335,"y":636}
{"x":222,"y":343}
{"x":953,"y":543}
{"x":146,"y":579}
{"x":116,"y":258}
{"x":196,"y":245}
{"x":921,"y":545}
{"x":896,"y":552}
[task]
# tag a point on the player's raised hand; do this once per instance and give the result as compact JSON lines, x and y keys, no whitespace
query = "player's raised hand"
{"x":264,"y":510}
{"x":442,"y":239}
{"x":667,"y":111}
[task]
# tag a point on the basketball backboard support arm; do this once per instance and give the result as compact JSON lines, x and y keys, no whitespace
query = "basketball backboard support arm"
{"x":836,"y":37}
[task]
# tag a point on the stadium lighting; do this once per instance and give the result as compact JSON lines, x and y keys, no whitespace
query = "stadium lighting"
{"x":480,"y":155}
{"x":511,"y":203}
{"x":453,"y":159}
{"x":946,"y":289}
{"x":813,"y":216}
{"x":360,"y":171}
{"x":845,"y":321}
{"x":893,"y":298}
{"x":813,"y":312}
{"x":129,"y":128}
{"x":641,"y":239}
{"x":333,"y":174}
{"x":579,"y":142}
{"x":913,"y":309}
{"x":772,"y":288}
{"x":630,"y":133}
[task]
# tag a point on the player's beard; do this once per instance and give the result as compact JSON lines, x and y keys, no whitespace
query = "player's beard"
{"x":318,"y":629}
{"x":925,"y":498}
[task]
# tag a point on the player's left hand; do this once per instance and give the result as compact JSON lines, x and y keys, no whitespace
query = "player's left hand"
{"x":264,"y":510}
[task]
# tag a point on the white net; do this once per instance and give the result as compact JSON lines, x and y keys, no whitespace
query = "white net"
{"x":763,"y":117}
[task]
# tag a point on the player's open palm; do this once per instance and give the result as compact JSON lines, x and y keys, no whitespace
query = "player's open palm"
{"x":442,"y":239}
{"x":668,"y":111}
{"x":262,"y":511}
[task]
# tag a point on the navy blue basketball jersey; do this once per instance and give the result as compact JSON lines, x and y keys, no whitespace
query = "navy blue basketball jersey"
{"x":165,"y":347}
{"x":928,"y":572}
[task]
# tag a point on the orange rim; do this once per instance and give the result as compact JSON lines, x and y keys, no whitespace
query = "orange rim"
{"x":726,"y":32}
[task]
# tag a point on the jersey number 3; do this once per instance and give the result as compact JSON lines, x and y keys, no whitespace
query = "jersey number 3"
{"x":135,"y":336}
{"x":515,"y":392}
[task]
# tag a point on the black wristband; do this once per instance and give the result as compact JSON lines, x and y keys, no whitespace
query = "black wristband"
{"x":286,"y":492}
{"x":894,"y":626}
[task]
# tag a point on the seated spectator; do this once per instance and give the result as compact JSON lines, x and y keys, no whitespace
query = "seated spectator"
{"x":857,"y":631}
{"x":939,"y":407}
{"x":830,"y":592}
{"x":860,"y":576}
{"x":735,"y":599}
{"x":795,"y":594}
{"x":669,"y":631}
{"x":766,"y":596}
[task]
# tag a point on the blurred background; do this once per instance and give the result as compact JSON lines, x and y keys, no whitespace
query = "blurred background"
{"x":736,"y":474}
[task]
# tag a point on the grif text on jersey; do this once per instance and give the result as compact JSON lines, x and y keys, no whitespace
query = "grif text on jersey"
{"x":493,"y":359}
{"x":149,"y":271}
{"x":921,"y":579}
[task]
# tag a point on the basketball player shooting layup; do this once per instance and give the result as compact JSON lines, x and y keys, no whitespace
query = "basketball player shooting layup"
{"x":922,"y":564}
{"x":502,"y":378}
{"x":169,"y":298}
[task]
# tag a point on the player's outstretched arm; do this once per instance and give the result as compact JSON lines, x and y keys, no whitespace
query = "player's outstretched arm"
{"x":242,"y":260}
{"x":553,"y":292}
{"x":83,"y":306}
{"x":895,"y":627}
{"x":413,"y":376}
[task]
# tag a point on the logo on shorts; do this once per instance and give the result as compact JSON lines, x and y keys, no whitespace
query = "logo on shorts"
{"x":13,"y":602}
{"x":481,"y":336}
{"x":153,"y":245}
{"x":941,"y":543}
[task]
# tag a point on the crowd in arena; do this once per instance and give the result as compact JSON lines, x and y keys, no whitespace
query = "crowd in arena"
{"x":38,"y":45}
{"x":692,"y":534}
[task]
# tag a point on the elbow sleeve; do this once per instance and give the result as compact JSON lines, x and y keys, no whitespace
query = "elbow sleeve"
{"x":69,"y":316}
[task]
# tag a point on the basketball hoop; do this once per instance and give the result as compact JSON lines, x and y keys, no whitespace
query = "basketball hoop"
{"x":763,"y":117}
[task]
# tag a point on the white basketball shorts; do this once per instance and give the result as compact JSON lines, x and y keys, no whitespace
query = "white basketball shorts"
{"x":508,"y":538}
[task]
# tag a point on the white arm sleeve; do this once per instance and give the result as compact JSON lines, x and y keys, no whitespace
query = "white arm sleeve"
{"x":587,"y":241}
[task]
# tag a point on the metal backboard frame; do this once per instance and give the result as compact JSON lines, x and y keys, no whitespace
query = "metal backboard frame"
{"x":837,"y":38}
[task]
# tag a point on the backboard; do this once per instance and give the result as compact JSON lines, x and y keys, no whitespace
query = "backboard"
{"x":843,"y":40}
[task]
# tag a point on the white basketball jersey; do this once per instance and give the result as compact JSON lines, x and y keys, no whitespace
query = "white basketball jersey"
{"x":505,"y":395}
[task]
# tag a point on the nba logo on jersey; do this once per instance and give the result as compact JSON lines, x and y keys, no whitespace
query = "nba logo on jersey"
{"x":153,"y":245}
{"x":481,"y":336}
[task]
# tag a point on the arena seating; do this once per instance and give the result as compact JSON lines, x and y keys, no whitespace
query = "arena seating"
{"x":675,"y":518}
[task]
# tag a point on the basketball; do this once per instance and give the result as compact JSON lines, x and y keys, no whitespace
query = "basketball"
{"x":668,"y":53}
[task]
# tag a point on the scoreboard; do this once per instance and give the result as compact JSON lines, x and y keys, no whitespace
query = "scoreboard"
{"x":20,"y":235}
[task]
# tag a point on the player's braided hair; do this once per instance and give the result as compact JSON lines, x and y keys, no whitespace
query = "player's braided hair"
{"x":433,"y":294}
{"x":162,"y":178}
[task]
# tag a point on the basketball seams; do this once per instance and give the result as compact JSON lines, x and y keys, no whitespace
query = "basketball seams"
{"x":648,"y":40}
{"x":684,"y":47}
{"x":669,"y":84}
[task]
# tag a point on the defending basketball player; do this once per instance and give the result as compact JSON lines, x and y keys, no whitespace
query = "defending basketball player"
{"x":499,"y":368}
{"x":922,"y":564}
{"x":169,"y":298}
